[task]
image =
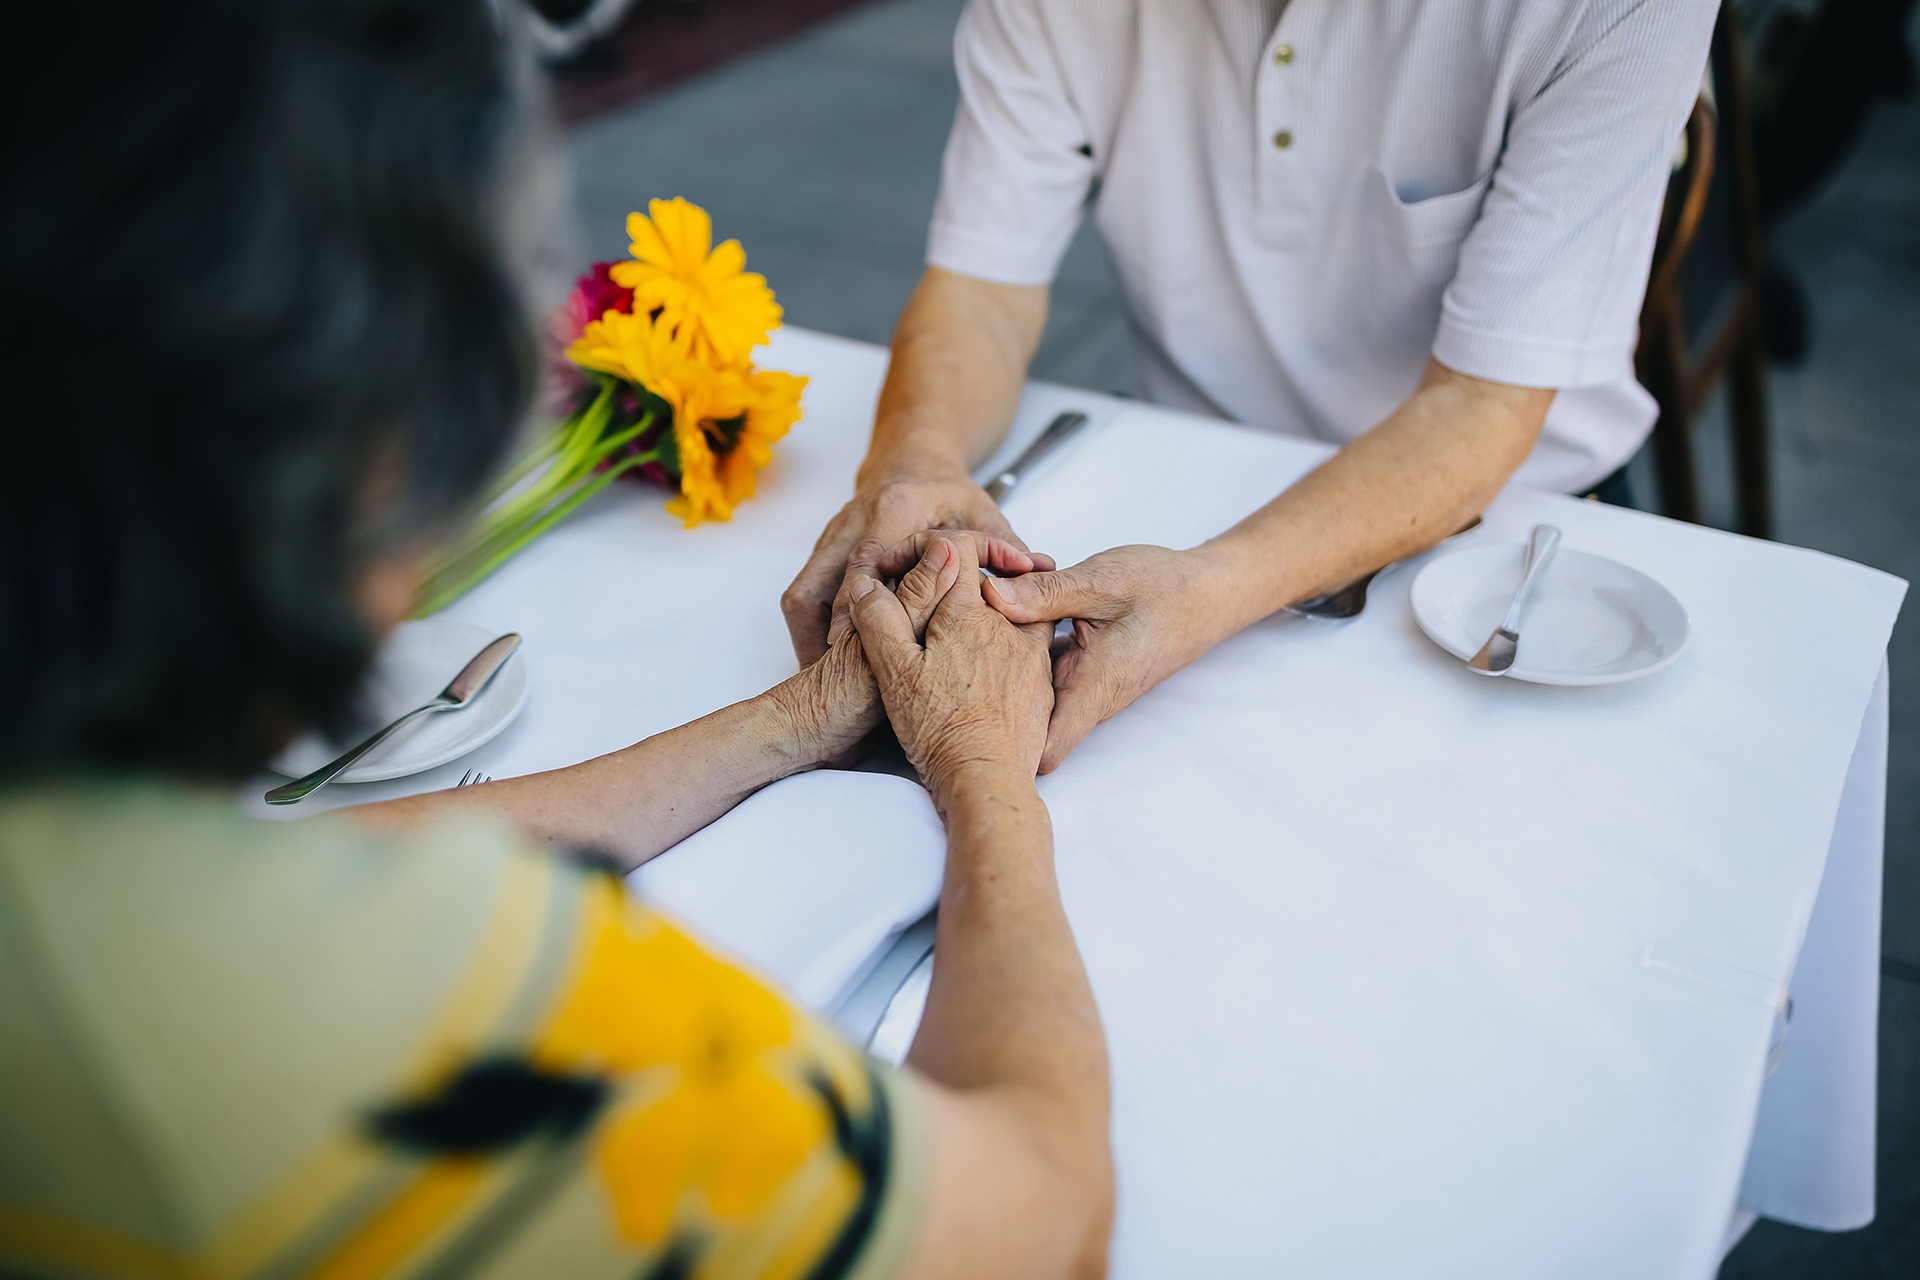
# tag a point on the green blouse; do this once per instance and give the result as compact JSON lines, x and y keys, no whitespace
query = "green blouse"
{"x":237,"y":1048}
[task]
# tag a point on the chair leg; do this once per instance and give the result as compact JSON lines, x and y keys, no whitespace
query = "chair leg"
{"x":1679,"y":493}
{"x":1661,"y":363}
{"x":1747,"y":388}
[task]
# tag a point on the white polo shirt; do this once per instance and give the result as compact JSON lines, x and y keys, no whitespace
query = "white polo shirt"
{"x":1303,"y":200}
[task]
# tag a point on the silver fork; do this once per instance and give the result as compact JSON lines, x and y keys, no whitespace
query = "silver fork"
{"x":472,"y":778}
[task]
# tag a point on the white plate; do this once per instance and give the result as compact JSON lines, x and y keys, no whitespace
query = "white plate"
{"x":1590,"y":620}
{"x":413,"y":665}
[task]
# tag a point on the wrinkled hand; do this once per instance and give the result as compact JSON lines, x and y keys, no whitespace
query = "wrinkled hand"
{"x":834,"y":704}
{"x":974,"y":700}
{"x":1139,"y":614}
{"x":879,"y":518}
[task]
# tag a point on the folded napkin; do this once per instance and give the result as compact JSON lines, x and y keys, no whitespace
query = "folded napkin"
{"x":809,"y":879}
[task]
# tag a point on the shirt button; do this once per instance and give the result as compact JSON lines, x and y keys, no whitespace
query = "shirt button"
{"x":1283,"y":56}
{"x":1283,"y":139}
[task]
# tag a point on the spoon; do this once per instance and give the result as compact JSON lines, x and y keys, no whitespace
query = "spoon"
{"x":1349,"y":600}
{"x":463,"y":689}
{"x":1497,"y":654}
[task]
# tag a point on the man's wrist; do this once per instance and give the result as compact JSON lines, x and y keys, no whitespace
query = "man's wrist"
{"x":1241,"y":579}
{"x":910,"y":466}
{"x":1225,"y":589}
{"x":908,"y":451}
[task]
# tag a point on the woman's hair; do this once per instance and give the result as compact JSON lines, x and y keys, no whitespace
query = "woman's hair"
{"x":250,"y":275}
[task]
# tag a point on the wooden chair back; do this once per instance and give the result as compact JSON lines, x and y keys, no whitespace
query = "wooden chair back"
{"x":1680,"y":370}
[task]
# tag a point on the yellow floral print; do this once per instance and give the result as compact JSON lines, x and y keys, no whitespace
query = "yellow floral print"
{"x":729,"y":1118}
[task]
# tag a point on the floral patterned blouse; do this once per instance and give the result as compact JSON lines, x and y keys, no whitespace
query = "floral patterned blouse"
{"x":233,"y":1048}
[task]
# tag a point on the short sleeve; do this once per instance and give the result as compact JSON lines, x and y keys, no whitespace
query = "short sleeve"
{"x":1550,"y":280}
{"x":691,"y":1120}
{"x":1019,"y":162}
{"x":339,"y":1056}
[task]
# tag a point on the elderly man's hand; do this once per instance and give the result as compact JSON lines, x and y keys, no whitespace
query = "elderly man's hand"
{"x":1139,"y":614}
{"x":972,"y":704}
{"x":880,"y":517}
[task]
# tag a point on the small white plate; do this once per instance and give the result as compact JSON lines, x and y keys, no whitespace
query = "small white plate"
{"x":414,"y":664}
{"x":1590,"y":620}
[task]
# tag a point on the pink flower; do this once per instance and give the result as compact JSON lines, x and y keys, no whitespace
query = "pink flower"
{"x":594,"y":294}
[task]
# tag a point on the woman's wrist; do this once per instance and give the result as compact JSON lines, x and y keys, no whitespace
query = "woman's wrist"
{"x":823,"y":711}
{"x":790,"y":724}
{"x":978,"y":784}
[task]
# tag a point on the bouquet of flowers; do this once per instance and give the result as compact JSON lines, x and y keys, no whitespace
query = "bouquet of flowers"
{"x":656,"y":377}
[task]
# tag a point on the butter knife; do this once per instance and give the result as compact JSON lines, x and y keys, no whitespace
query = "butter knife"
{"x":463,"y":689}
{"x":1052,"y":438}
{"x":1498,"y":653}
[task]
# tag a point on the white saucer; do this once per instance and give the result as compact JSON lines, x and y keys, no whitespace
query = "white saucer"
{"x":414,"y":663}
{"x":1590,"y":620}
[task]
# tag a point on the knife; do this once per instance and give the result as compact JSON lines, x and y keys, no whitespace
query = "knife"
{"x":463,"y":689}
{"x":1052,"y":438}
{"x":1497,"y":654}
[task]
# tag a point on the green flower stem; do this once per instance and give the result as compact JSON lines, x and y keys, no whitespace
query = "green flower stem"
{"x":504,"y":525}
{"x":492,"y":558}
{"x":543,"y":447}
{"x":573,"y":439}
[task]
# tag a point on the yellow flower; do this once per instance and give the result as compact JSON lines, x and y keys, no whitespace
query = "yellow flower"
{"x":715,"y":309}
{"x":630,"y":347}
{"x":773,"y":406}
{"x":725,"y":419}
{"x":703,"y":403}
{"x":733,"y":1122}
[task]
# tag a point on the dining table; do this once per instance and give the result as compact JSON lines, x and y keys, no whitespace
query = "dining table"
{"x":1403,"y":970}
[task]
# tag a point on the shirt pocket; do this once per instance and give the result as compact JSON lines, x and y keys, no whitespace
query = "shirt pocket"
{"x":1412,"y":252}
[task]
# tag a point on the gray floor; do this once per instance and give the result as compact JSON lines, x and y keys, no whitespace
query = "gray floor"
{"x":822,"y":156}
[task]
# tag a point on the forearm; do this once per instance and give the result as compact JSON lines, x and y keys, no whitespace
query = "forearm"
{"x":960,"y":355}
{"x":632,"y":803}
{"x":1010,"y":1010}
{"x":1429,"y":468}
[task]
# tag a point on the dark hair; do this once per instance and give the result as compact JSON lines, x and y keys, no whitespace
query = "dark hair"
{"x":249,"y":258}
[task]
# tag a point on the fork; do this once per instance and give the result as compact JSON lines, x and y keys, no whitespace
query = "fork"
{"x":472,"y":778}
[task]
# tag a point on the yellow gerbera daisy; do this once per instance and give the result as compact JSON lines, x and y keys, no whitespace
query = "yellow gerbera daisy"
{"x":629,"y":347}
{"x":715,"y":309}
{"x":701,"y":403}
{"x":773,"y":406}
{"x":725,"y":419}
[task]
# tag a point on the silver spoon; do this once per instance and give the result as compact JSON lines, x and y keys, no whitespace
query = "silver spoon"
{"x":1497,"y":654}
{"x":463,"y":689}
{"x":1349,"y":600}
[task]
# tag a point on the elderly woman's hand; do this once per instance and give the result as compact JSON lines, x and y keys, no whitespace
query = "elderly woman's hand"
{"x":973,"y":702}
{"x":834,"y":704}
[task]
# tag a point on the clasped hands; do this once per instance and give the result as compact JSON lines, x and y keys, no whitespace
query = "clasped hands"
{"x":1139,"y":614}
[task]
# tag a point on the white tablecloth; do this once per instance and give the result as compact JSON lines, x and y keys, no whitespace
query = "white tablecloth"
{"x":1405,"y":971}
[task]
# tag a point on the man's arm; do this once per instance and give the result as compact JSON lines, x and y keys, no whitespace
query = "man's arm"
{"x":1143,"y":613}
{"x":960,"y":355}
{"x":1430,"y":467}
